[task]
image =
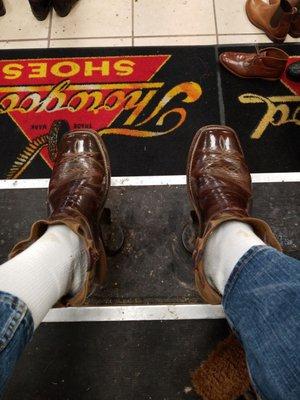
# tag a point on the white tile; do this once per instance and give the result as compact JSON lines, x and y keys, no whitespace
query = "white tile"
{"x":95,"y":18}
{"x":175,"y":41}
{"x":173,"y":17}
{"x":106,"y":42}
{"x":19,"y":22}
{"x":235,"y":39}
{"x":24,"y":44}
{"x":232,"y":18}
{"x":289,"y":39}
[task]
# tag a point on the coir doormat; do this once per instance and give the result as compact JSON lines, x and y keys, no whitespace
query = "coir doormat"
{"x":147,"y":104}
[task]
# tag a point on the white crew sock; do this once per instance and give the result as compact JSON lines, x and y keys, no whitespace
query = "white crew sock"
{"x":230,"y":241}
{"x":50,"y":268}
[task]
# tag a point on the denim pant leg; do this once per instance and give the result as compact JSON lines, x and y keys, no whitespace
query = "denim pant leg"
{"x":16,"y":330}
{"x":262,"y":305}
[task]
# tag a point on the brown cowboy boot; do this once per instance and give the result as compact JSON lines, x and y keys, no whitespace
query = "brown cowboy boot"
{"x":295,"y":24}
{"x":77,"y":193}
{"x":40,"y":8}
{"x":63,"y":7}
{"x":273,"y":17}
{"x":2,"y":9}
{"x":266,"y":64}
{"x":219,"y":186}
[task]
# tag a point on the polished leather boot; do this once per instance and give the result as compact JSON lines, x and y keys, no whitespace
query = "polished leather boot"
{"x":295,"y":24}
{"x":77,"y":193}
{"x":2,"y":9}
{"x":219,"y":186}
{"x":266,"y":64}
{"x":40,"y":8}
{"x":63,"y":7}
{"x":274,"y":17}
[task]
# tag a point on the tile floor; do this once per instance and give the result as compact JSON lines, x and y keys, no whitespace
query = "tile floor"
{"x":94,"y":23}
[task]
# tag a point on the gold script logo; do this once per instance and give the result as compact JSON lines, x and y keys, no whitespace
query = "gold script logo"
{"x":279,"y":110}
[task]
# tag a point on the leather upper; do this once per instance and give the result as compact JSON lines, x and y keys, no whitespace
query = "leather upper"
{"x":272,"y":16}
{"x":295,"y":24}
{"x":268,"y":63}
{"x":219,"y":177}
{"x":77,"y":193}
{"x":219,"y":185}
{"x":79,"y":183}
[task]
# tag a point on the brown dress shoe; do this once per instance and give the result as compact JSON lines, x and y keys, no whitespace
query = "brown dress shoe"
{"x":274,"y":17}
{"x":295,"y":24}
{"x":40,"y":8}
{"x":77,"y":193}
{"x":2,"y":9}
{"x":63,"y":7}
{"x":219,"y":186}
{"x":266,"y":64}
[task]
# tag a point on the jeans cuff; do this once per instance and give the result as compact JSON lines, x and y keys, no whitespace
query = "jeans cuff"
{"x":13,"y":312}
{"x":240,"y":265}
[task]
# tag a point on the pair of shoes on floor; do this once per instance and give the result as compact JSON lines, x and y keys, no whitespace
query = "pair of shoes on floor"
{"x":41,"y":8}
{"x":277,"y":18}
{"x":219,"y":186}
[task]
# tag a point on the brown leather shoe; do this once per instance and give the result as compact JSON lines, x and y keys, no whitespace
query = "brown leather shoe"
{"x":2,"y":8}
{"x":77,"y":193}
{"x":219,"y":186}
{"x":63,"y":7}
{"x":40,"y":8}
{"x":274,"y":17}
{"x":266,"y":64}
{"x":295,"y":24}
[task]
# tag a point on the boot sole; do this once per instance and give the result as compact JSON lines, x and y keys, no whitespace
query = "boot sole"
{"x":274,"y":39}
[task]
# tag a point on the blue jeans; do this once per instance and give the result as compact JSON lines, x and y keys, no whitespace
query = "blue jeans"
{"x":16,"y":330}
{"x":262,"y":305}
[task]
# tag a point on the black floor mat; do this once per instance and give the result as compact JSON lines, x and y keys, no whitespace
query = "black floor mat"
{"x":147,"y":102}
{"x":265,"y":115}
{"x":145,"y":360}
{"x":153,"y":267}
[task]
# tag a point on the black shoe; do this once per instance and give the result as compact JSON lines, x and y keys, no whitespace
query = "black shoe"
{"x":40,"y":8}
{"x":293,"y":71}
{"x":2,"y":9}
{"x":63,"y":7}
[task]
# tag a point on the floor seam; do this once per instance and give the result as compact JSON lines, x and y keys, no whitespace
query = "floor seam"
{"x":50,"y":28}
{"x":132,"y":22}
{"x":216,"y":23}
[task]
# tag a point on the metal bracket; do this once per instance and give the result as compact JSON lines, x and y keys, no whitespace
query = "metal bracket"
{"x":112,"y":233}
{"x":190,"y":233}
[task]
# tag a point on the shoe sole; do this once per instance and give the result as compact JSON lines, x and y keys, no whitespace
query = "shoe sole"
{"x":274,"y":39}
